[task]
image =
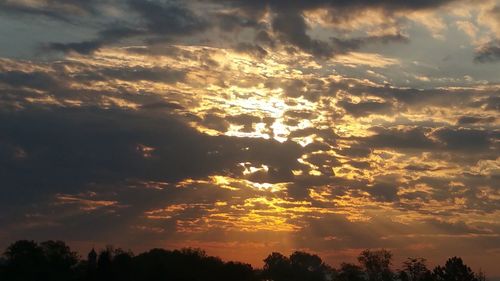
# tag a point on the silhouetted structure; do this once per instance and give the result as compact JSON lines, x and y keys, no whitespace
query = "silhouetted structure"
{"x":54,"y":261}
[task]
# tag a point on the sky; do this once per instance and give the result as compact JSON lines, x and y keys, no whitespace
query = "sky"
{"x":245,"y":127}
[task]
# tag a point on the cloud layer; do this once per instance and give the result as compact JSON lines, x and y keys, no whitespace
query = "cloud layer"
{"x":241,"y":124}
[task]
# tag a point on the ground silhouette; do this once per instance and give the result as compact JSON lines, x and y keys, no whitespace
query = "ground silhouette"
{"x":54,"y":261}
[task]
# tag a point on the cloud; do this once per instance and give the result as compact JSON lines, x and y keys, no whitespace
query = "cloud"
{"x":427,"y":139}
{"x":251,"y":49}
{"x":64,"y":149}
{"x":288,"y":20}
{"x":164,"y":75}
{"x":465,"y":120}
{"x":489,"y":52}
{"x":291,"y":27}
{"x":164,"y":20}
{"x":352,"y":44}
{"x":55,"y":9}
{"x":136,"y":140}
{"x":342,"y":4}
{"x":168,"y":19}
{"x":155,"y":19}
{"x":366,"y":108}
{"x":33,"y":80}
{"x":86,"y":47}
{"x":466,"y":139}
{"x":384,"y":191}
{"x":232,"y":22}
{"x":406,"y":138}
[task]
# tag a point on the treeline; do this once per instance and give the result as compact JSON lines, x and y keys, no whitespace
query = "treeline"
{"x":54,"y":261}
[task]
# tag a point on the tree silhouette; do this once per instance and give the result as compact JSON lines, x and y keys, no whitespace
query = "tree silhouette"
{"x":377,"y":264}
{"x":350,"y":272}
{"x":51,"y":260}
{"x":54,"y":261}
{"x":237,"y":271}
{"x":153,"y":265}
{"x":299,"y":266}
{"x":59,"y":260}
{"x":277,"y":267}
{"x":122,"y":265}
{"x":415,"y":269}
{"x":104,"y":264}
{"x":308,"y":267}
{"x":454,"y":270}
{"x":25,"y":261}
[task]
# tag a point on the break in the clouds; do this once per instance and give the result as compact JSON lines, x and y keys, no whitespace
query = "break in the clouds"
{"x":328,"y":126}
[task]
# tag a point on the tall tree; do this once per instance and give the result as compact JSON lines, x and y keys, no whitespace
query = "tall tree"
{"x":350,"y":272}
{"x":454,"y":270}
{"x":25,"y":261}
{"x":377,"y":264}
{"x":59,"y":260}
{"x":415,"y":269}
{"x":277,"y":267}
{"x":104,"y":264}
{"x":308,"y":267}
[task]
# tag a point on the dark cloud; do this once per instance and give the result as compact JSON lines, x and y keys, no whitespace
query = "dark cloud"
{"x":356,"y":152}
{"x":420,"y":167}
{"x":161,"y":105}
{"x":366,"y":108}
{"x":352,"y":44}
{"x":386,"y":192}
{"x":413,"y":98}
{"x":149,"y":74}
{"x":407,"y":138}
{"x":34,"y":80}
{"x":465,"y":120}
{"x":86,"y":47}
{"x":492,"y":103}
{"x":427,"y":139}
{"x":232,"y":22}
{"x":291,"y":27}
{"x":245,"y":120}
{"x":109,"y":36}
{"x":489,"y":52}
{"x":263,"y":37}
{"x":19,"y":88}
{"x":214,"y":122}
{"x":170,"y":18}
{"x":55,"y":9}
{"x":65,"y":149}
{"x":466,"y":139}
{"x":349,"y":234}
{"x":156,"y":19}
{"x":164,"y":20}
{"x":303,"y":5}
{"x":251,"y":49}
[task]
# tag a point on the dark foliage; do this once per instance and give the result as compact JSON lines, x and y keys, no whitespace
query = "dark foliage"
{"x":54,"y":261}
{"x":454,"y":270}
{"x":300,"y":266}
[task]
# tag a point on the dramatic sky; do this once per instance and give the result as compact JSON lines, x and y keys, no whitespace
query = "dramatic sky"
{"x":245,"y":127}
